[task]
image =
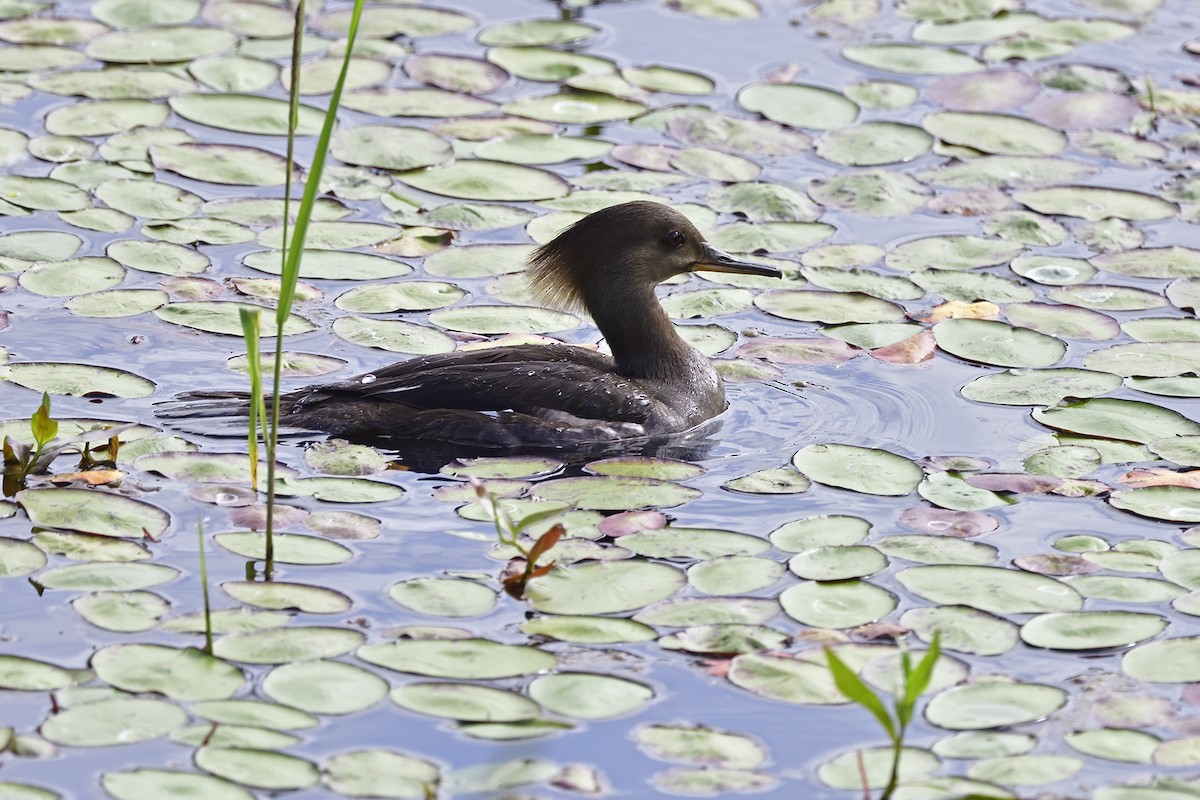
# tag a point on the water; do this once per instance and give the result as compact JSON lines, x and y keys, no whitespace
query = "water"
{"x":911,"y":410}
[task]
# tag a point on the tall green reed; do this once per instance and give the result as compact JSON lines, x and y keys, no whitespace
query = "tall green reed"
{"x":293,"y":249}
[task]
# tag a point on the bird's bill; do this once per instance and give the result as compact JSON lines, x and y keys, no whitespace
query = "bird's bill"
{"x":715,"y":260}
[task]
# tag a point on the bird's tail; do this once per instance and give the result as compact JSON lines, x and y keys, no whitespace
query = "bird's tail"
{"x":208,"y":413}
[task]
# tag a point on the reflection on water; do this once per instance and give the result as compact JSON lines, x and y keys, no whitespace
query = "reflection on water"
{"x":912,"y":410}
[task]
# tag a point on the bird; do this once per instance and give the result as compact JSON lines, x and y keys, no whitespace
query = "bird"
{"x":527,"y":397}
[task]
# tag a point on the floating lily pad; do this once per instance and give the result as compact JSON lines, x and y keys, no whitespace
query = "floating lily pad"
{"x":1091,"y":630}
{"x":120,"y":720}
{"x":995,"y":343}
{"x":1110,"y":418}
{"x":1166,"y":661}
{"x":462,"y":658}
{"x":465,"y":702}
{"x":487,"y":180}
{"x":1000,"y":591}
{"x":993,"y":705}
{"x":575,"y":108}
{"x":81,"y":380}
{"x":245,"y":113}
{"x":144,"y":782}
{"x":858,"y":469}
{"x":261,"y":769}
{"x":363,"y":773}
{"x":588,"y":696}
{"x":324,"y":687}
{"x":444,"y":597}
{"x":285,"y":645}
{"x":838,"y":604}
{"x":181,"y":674}
{"x":911,"y":59}
{"x":220,"y":317}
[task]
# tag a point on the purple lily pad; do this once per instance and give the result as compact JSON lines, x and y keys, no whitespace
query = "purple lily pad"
{"x":944,"y":522}
{"x":1055,"y":564}
{"x":808,"y":352}
{"x":994,"y":90}
{"x":1084,"y":110}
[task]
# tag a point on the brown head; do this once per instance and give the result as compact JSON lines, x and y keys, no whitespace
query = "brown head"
{"x":623,"y":251}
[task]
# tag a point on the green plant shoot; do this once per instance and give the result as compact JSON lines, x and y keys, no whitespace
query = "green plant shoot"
{"x":913,"y":683}
{"x":44,"y":428}
{"x":251,"y":327}
{"x":509,"y":533}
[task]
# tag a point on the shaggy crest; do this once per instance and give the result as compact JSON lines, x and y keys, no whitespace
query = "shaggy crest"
{"x":558,"y":271}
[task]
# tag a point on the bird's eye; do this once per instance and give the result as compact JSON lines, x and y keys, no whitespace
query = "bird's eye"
{"x":675,"y":239}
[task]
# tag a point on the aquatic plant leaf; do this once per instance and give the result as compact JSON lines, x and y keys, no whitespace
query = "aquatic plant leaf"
{"x":466,"y":659}
{"x":123,"y":612}
{"x":1164,"y":661}
{"x":487,"y":180}
{"x":837,"y":604}
{"x":1170,"y":503}
{"x":147,"y":782}
{"x":993,"y":589}
{"x":589,"y":696}
{"x":799,"y":105}
{"x":113,"y":721}
{"x":180,"y":674}
{"x":1127,"y":420}
{"x":280,"y":595}
{"x":18,"y":673}
{"x":444,"y":597}
{"x":990,"y":342}
{"x":700,"y":746}
{"x":244,"y":113}
{"x":231,"y":165}
{"x":290,"y":548}
{"x":873,"y":766}
{"x":465,"y":702}
{"x":536,"y":32}
{"x":588,"y":629}
{"x":967,"y":630}
{"x":832,"y":530}
{"x":285,"y":645}
{"x":911,"y":59}
{"x":260,"y":769}
{"x":607,"y":493}
{"x":575,"y":108}
{"x":161,"y":258}
{"x":1136,"y":747}
{"x":858,"y":469}
{"x":367,"y":772}
{"x":993,"y":705}
{"x":734,"y":575}
{"x":324,"y":687}
{"x":785,"y":678}
{"x":79,"y":380}
{"x":1091,"y":630}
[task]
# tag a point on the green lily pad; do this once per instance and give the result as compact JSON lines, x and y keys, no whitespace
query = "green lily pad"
{"x":993,"y":705}
{"x":858,"y":469}
{"x":186,"y":674}
{"x":118,"y":720}
{"x":1091,"y":630}
{"x":996,"y":343}
{"x":993,"y":589}
{"x":838,"y":604}
{"x":603,"y":587}
{"x":461,"y":658}
{"x":324,"y":687}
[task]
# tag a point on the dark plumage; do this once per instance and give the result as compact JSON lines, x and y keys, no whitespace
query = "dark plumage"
{"x":539,"y":396}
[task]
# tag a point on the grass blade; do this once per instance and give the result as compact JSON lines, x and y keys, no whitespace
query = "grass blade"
{"x":853,"y":687}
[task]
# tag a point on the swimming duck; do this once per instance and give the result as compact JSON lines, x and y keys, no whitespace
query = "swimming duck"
{"x":553,"y":395}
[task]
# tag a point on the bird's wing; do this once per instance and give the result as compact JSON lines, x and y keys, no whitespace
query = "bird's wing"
{"x":533,"y":380}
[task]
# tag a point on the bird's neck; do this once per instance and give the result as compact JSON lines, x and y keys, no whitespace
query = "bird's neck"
{"x":642,"y":339}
